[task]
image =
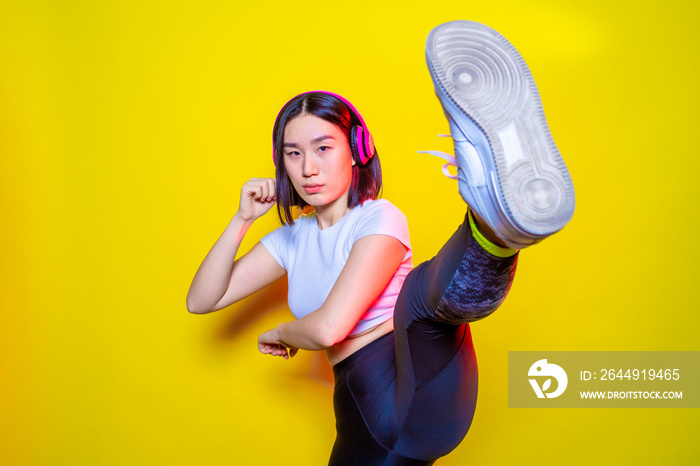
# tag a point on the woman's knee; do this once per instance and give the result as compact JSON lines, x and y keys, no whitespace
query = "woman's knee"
{"x":477,"y":289}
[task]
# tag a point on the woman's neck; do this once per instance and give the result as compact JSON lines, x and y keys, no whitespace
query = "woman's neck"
{"x":329,"y":214}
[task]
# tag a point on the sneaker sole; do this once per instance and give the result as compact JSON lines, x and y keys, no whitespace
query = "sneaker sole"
{"x":485,"y":76}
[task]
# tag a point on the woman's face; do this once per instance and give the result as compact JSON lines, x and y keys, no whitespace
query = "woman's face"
{"x":318,"y":160}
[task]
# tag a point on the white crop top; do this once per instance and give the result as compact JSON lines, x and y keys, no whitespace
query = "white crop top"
{"x":314,"y":258}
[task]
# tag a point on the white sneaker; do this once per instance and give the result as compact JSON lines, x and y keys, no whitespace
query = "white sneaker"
{"x":509,"y":169}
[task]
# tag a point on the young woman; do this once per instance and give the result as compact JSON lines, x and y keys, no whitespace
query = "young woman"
{"x":398,"y":338}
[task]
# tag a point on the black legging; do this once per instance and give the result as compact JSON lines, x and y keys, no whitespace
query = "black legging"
{"x":408,"y":397}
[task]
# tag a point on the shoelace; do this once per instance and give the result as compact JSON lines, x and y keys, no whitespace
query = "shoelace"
{"x":443,"y":155}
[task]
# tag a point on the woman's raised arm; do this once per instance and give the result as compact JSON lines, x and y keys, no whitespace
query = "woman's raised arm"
{"x":220,"y":281}
{"x":371,"y":264}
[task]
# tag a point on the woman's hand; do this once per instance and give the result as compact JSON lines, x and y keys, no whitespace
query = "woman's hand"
{"x":257,"y":197}
{"x":269,"y":343}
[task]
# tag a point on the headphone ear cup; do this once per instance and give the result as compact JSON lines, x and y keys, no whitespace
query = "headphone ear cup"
{"x":356,"y":144}
{"x":369,"y":147}
{"x":361,"y":144}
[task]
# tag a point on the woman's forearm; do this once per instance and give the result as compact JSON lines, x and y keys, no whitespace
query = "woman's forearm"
{"x":212,"y":278}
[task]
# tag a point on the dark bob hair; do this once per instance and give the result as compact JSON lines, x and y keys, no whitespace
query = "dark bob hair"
{"x":366,"y":179}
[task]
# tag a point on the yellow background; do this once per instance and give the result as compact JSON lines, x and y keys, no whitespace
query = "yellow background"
{"x":127,"y":129}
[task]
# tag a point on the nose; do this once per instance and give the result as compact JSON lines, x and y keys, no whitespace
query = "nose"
{"x":309,"y":167}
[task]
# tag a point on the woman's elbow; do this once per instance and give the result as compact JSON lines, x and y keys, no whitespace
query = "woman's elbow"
{"x":326,"y":339}
{"x":330,"y":336}
{"x":195,"y":308}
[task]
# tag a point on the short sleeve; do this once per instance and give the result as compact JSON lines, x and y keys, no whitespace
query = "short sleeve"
{"x":381,"y":217}
{"x":275,"y":242}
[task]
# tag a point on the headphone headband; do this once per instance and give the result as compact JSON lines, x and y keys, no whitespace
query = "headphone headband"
{"x":361,"y":141}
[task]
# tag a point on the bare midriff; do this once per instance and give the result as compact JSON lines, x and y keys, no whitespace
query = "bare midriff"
{"x":345,"y":348}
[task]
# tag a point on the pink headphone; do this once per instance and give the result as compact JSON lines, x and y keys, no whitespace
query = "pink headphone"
{"x":361,"y":141}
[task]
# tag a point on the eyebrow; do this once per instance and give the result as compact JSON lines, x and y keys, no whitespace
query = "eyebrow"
{"x":316,"y":140}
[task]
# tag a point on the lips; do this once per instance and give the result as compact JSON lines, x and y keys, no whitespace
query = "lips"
{"x":312,"y":188}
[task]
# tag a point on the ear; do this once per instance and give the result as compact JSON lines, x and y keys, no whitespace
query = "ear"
{"x":353,"y":162}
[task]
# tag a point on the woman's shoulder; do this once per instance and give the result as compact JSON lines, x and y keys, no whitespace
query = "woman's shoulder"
{"x":381,"y":217}
{"x":381,"y":212}
{"x":381,"y":207}
{"x":378,"y":204}
{"x":303,"y":220}
{"x":302,"y":223}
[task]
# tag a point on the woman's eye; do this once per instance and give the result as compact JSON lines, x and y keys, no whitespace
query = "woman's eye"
{"x":293,"y":153}
{"x":323,"y":148}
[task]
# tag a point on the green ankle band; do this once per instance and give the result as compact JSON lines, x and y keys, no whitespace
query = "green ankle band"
{"x":486,"y":244}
